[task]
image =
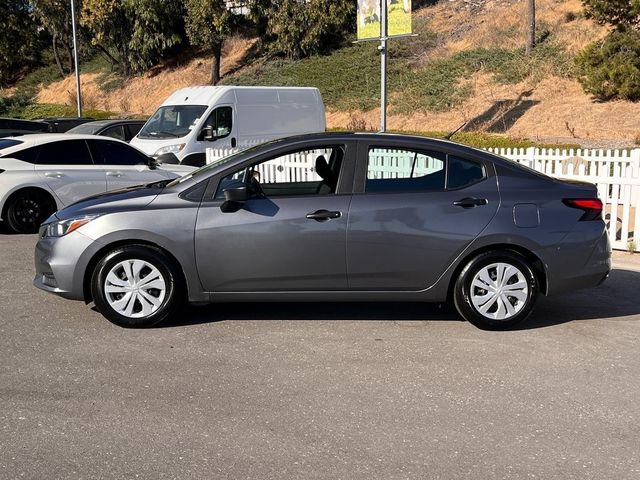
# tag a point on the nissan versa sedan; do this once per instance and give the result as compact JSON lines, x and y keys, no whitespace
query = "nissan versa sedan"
{"x":331,"y":217}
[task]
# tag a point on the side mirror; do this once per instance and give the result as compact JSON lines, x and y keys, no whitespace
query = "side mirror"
{"x":153,"y":163}
{"x":234,"y":198}
{"x":208,"y":133}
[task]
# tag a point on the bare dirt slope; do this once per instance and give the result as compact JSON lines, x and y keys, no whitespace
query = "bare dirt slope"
{"x":552,"y":109}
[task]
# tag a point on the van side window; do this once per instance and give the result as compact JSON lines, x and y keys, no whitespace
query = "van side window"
{"x":221,"y":120}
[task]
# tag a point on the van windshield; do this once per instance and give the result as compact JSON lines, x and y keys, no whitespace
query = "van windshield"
{"x":172,"y":121}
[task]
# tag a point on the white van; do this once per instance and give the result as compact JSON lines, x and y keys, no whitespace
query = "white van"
{"x":196,"y":118}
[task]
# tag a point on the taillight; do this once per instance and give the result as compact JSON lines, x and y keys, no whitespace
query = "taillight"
{"x":592,"y":207}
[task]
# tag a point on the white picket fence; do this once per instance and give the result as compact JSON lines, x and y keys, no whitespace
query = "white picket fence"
{"x":616,"y":173}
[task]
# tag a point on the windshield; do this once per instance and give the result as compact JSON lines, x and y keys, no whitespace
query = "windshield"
{"x":6,"y":143}
{"x":172,"y":121}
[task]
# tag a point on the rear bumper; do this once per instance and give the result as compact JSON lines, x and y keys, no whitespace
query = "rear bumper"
{"x":581,"y":260}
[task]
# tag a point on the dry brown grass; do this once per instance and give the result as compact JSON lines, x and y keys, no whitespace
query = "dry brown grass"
{"x":143,"y":94}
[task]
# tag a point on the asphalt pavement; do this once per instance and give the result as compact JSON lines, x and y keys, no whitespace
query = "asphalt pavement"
{"x":318,"y":391}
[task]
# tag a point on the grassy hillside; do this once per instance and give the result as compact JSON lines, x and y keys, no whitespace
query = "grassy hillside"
{"x":466,"y":66}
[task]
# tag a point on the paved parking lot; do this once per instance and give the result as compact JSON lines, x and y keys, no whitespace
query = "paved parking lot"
{"x":307,"y":391}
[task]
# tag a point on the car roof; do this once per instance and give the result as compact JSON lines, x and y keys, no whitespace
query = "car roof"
{"x":106,"y":123}
{"x":36,"y":139}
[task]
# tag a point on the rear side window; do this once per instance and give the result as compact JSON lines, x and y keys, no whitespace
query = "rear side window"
{"x":6,"y":143}
{"x":463,"y":172}
{"x":131,"y":130}
{"x":116,"y":131}
{"x":394,"y":170}
{"x":29,"y":155}
{"x":115,"y":153}
{"x":66,"y":152}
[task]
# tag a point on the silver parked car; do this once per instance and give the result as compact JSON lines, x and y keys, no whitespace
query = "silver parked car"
{"x":332,"y":217}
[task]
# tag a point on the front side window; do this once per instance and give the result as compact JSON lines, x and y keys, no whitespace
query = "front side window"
{"x":399,"y":170}
{"x":221,"y":121}
{"x":172,"y":121}
{"x":114,"y":153}
{"x":116,"y":131}
{"x":306,"y":172}
{"x":67,"y":152}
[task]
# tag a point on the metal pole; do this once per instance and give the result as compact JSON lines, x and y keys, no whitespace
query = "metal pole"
{"x":75,"y":57}
{"x":383,"y":65}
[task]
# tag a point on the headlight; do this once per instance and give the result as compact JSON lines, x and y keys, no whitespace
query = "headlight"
{"x":62,"y":227}
{"x":169,"y":149}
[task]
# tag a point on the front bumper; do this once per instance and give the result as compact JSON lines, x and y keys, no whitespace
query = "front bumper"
{"x":61,"y":263}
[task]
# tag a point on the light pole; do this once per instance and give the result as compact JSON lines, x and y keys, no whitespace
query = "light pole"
{"x":383,"y":65}
{"x":75,"y":57}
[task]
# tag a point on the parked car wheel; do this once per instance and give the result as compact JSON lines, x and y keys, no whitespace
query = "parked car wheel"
{"x":27,"y":209}
{"x":136,"y":286}
{"x":496,"y":290}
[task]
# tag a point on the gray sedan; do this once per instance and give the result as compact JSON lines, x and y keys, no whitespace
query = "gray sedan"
{"x":331,"y":217}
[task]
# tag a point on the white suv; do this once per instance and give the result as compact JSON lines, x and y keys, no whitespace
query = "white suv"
{"x":42,"y":173}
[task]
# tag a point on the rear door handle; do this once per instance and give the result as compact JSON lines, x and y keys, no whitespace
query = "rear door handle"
{"x":323,"y":215}
{"x":54,"y":174}
{"x":470,"y":202}
{"x":114,"y":174}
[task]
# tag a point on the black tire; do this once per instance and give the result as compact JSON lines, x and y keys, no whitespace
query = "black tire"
{"x":463,"y":292}
{"x":27,"y":209}
{"x":169,"y":303}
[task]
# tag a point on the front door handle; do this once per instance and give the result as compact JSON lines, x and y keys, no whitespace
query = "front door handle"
{"x":470,"y":202}
{"x":323,"y":215}
{"x":114,"y":174}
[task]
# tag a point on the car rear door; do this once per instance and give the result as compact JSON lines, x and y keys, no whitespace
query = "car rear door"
{"x":414,"y":212}
{"x":124,"y":165}
{"x":68,"y":169}
{"x":291,"y":239}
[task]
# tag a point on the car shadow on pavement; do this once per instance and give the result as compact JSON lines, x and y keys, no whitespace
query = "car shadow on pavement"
{"x":616,"y":298}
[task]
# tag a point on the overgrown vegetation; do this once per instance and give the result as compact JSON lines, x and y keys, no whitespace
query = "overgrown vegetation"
{"x":349,"y":78}
{"x":610,"y":68}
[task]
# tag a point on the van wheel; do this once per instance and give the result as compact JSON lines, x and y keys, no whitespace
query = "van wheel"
{"x":136,"y":286}
{"x":27,"y":209}
{"x":496,"y":290}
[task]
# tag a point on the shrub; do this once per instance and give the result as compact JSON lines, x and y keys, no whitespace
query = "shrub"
{"x":610,"y":68}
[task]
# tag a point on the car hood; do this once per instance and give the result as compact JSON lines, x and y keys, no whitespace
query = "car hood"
{"x":132,"y":198}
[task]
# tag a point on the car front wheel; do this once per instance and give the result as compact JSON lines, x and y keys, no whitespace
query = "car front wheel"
{"x":136,"y":286}
{"x":496,"y":290}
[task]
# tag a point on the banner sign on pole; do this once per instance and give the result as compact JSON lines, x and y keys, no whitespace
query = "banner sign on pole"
{"x":398,"y":18}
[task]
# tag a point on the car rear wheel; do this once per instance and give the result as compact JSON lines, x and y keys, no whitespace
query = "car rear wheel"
{"x":27,"y":209}
{"x":136,"y":286}
{"x":496,"y":290}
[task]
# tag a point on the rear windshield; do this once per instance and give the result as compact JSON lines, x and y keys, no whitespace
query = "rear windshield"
{"x":6,"y":143}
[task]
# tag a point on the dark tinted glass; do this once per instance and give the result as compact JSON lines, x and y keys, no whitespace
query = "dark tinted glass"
{"x":463,"y":172}
{"x":115,"y":153}
{"x":27,"y":155}
{"x":66,"y":152}
{"x":116,"y":131}
{"x":131,"y":130}
{"x":395,"y":170}
{"x":8,"y":143}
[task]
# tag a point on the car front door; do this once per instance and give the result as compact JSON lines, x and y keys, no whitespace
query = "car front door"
{"x":415,"y":212}
{"x":290,"y":238}
{"x":124,"y":165}
{"x":68,"y":170}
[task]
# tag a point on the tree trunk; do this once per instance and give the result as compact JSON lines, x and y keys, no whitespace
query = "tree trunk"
{"x":54,"y":41}
{"x":215,"y":64}
{"x":531,"y":26}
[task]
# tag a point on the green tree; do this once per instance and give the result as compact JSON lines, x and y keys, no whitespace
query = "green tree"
{"x":20,"y":40}
{"x":619,"y":13}
{"x":208,"y":23}
{"x":302,"y":28}
{"x":610,"y":68}
{"x":139,"y":32}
